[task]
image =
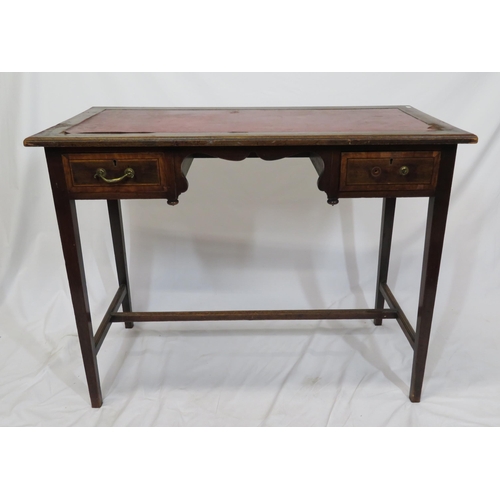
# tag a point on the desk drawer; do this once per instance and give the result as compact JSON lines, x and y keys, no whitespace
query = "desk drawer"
{"x":114,"y":173}
{"x":389,"y":171}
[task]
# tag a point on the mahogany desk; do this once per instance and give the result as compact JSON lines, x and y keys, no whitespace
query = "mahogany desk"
{"x":117,"y":153}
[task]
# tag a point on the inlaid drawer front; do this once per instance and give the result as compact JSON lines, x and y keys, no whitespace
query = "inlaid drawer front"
{"x":386,"y":171}
{"x":114,"y":172}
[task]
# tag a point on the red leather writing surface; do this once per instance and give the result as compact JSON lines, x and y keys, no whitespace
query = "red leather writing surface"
{"x":255,"y":121}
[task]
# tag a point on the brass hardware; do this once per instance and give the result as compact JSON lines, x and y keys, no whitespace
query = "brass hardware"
{"x":101,"y":174}
{"x":404,"y":170}
{"x":376,"y":171}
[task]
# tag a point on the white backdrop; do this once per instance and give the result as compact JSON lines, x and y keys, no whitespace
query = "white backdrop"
{"x":249,"y":235}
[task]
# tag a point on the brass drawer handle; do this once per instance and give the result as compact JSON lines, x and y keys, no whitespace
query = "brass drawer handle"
{"x":404,"y":170}
{"x":101,"y":174}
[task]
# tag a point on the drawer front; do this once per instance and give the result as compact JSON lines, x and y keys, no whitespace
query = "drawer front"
{"x":120,"y":173}
{"x":389,"y":171}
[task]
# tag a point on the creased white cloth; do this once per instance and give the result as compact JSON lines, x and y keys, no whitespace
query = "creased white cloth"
{"x":249,"y":235}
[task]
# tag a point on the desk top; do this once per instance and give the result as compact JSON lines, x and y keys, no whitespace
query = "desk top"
{"x":138,"y":127}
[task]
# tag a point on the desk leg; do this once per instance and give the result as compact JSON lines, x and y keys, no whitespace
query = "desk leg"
{"x":115,"y":220}
{"x":70,"y":239}
{"x":388,"y":210}
{"x":433,"y":247}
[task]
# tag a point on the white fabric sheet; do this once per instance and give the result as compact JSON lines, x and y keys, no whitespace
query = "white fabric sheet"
{"x":249,"y":235}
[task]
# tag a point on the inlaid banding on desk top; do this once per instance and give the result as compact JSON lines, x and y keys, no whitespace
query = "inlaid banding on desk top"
{"x":251,"y":121}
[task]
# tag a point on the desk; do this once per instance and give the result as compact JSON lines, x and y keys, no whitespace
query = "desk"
{"x":118,"y":153}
